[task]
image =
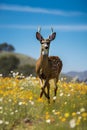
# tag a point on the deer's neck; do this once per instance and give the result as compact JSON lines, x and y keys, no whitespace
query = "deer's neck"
{"x":44,"y":60}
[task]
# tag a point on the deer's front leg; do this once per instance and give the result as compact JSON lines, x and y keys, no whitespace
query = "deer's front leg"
{"x":43,"y":89}
{"x":55,"y":89}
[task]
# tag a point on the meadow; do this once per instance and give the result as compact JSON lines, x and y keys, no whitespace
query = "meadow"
{"x":22,"y":109}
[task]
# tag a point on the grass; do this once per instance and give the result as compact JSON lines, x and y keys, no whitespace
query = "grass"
{"x":22,"y":109}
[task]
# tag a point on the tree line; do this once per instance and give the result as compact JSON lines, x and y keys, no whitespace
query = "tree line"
{"x":6,"y":47}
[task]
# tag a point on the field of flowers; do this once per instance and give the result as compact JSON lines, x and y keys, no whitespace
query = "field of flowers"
{"x":22,"y":109}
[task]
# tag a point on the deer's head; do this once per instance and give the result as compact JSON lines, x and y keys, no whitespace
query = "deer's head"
{"x":45,"y":43}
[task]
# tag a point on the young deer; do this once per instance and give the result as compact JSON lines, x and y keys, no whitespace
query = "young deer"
{"x":47,"y":67}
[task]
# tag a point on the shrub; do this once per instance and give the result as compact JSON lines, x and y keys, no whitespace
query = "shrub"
{"x":7,"y":64}
{"x":26,"y":70}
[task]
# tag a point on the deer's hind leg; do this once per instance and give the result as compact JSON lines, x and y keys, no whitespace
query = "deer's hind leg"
{"x":48,"y":92}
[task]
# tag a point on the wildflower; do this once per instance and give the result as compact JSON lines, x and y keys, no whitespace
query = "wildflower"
{"x":53,"y":110}
{"x":12,"y":113}
{"x":1,"y":108}
{"x":61,"y":94}
{"x":82,"y":109}
{"x":54,"y":98}
{"x":78,"y":121}
{"x":20,"y":103}
{"x":63,"y":119}
{"x":6,"y":122}
{"x":10,"y":100}
{"x":73,"y":114}
{"x":48,"y":121}
{"x":66,"y":115}
{"x":1,"y":99}
{"x":1,"y":122}
{"x":40,"y":100}
{"x":68,"y":95}
{"x":32,"y":103}
{"x":65,"y":103}
{"x":16,"y":111}
{"x":61,"y":79}
{"x":78,"y":112}
{"x":84,"y":114}
{"x":1,"y":75}
{"x":72,"y":123}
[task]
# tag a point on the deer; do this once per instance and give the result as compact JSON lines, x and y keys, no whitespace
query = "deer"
{"x":47,"y":67}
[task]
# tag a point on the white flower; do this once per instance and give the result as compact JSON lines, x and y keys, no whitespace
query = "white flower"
{"x":10,"y":100}
{"x":48,"y":121}
{"x":61,"y":79}
{"x":68,"y":95}
{"x":1,"y":75}
{"x":82,"y":109}
{"x":6,"y":122}
{"x":1,"y":99}
{"x":78,"y":112}
{"x":32,"y":103}
{"x":16,"y":111}
{"x":72,"y":123}
{"x":65,"y":103}
{"x":79,"y":117}
{"x":1,"y":122}
{"x":1,"y":108}
{"x":54,"y":98}
{"x":61,"y":94}
{"x":20,"y":103}
{"x":12,"y":113}
{"x":53,"y":110}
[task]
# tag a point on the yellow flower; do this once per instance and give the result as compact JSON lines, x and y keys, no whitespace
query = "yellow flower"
{"x":78,"y":121}
{"x":84,"y":114}
{"x":66,"y":115}
{"x":73,"y":114}
{"x":63,"y":119}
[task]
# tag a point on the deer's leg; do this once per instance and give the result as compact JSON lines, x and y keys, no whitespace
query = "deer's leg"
{"x":43,"y":90}
{"x":55,"y":89}
{"x":41,"y":82}
{"x":48,"y":92}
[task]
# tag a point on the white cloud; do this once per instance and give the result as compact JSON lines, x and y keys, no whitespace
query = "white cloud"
{"x":47,"y":27}
{"x":39,"y":10}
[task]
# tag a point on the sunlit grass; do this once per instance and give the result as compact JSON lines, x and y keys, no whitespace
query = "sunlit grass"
{"x":22,"y":109}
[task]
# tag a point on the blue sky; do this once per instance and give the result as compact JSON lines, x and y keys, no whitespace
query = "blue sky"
{"x":19,"y":20}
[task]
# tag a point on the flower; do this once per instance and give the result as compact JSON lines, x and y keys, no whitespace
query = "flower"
{"x":66,"y":115}
{"x":74,"y":114}
{"x":20,"y":103}
{"x":72,"y":123}
{"x":82,"y":109}
{"x":1,"y":122}
{"x":61,"y":94}
{"x":48,"y":121}
{"x":6,"y":122}
{"x":54,"y":98}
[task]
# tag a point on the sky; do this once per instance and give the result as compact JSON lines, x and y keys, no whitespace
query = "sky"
{"x":20,"y":19}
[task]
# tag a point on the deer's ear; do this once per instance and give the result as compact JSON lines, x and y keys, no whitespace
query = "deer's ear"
{"x":38,"y":36}
{"x":52,"y":37}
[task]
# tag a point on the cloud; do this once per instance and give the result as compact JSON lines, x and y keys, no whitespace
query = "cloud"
{"x":46,"y":27}
{"x":39,"y":10}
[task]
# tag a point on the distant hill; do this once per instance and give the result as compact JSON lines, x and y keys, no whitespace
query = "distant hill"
{"x":26,"y":63}
{"x":24,"y":59}
{"x":82,"y":76}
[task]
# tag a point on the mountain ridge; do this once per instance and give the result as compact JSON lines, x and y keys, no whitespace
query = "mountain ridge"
{"x":82,"y":76}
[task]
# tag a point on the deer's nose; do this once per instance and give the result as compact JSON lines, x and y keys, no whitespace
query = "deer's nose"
{"x":46,"y":46}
